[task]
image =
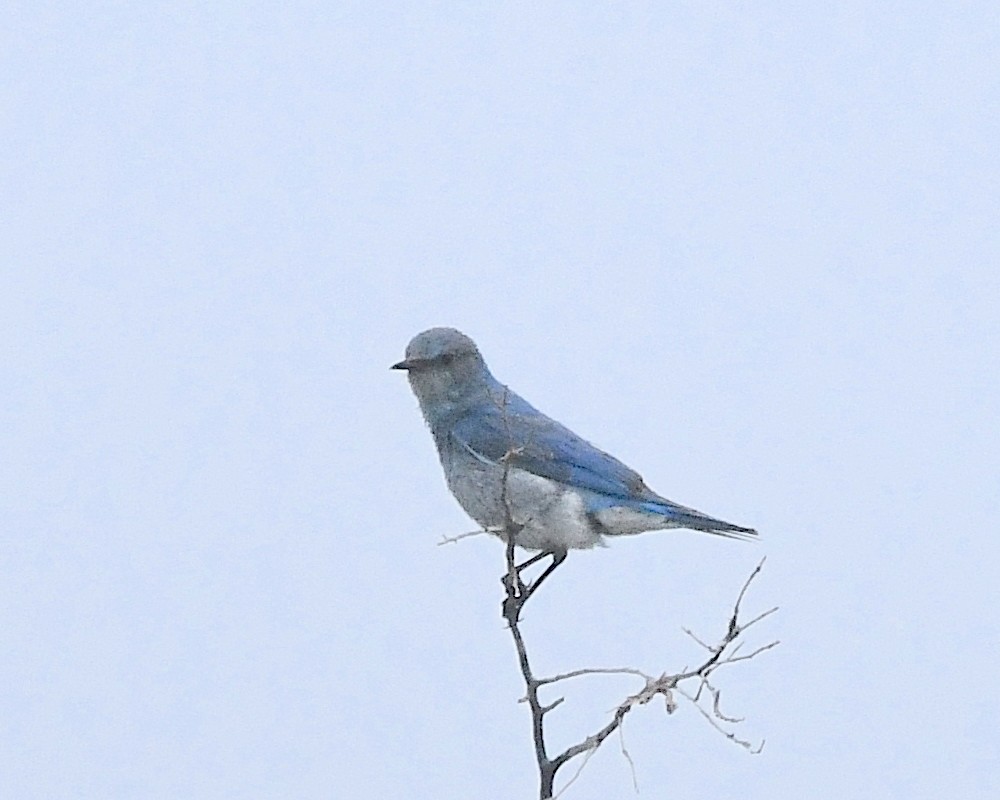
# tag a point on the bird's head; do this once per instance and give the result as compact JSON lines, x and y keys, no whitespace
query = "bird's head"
{"x":445,"y":368}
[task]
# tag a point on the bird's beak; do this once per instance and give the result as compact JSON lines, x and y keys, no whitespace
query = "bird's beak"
{"x":401,"y":365}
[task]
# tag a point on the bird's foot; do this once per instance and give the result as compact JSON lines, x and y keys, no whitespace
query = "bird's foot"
{"x":518,"y":593}
{"x":510,"y":609}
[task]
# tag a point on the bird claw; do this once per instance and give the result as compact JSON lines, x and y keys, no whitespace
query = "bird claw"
{"x":517,"y":594}
{"x":513,"y":585}
{"x":511,"y":609}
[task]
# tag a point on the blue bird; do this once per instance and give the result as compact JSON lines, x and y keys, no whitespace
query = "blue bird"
{"x":513,"y":468}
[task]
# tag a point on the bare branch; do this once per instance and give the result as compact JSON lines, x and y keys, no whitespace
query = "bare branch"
{"x":717,"y":695}
{"x":699,"y":641}
{"x":759,"y":617}
{"x":726,"y":651}
{"x":756,"y":652}
{"x":596,"y":671}
{"x":553,"y":704}
{"x":711,"y":721}
{"x":454,"y":539}
{"x":743,"y":591}
{"x":631,"y":763}
{"x":720,"y":654}
{"x":576,"y":774}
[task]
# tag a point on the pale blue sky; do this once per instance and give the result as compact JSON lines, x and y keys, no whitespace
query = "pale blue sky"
{"x":754,"y":252}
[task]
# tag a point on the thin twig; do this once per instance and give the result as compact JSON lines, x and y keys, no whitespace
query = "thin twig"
{"x":748,"y":656}
{"x":699,"y":641}
{"x":631,"y":763}
{"x":517,"y":594}
{"x":454,"y":539}
{"x":759,"y":617}
{"x":665,"y":684}
{"x":596,"y":671}
{"x":728,"y":734}
{"x":553,"y":704}
{"x":576,"y":774}
{"x":717,"y":695}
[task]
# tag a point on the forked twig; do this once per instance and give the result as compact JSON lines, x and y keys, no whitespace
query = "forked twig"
{"x":721,"y":654}
{"x":726,"y":651}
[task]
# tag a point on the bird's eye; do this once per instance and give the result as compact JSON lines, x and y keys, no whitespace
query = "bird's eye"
{"x":447,"y":358}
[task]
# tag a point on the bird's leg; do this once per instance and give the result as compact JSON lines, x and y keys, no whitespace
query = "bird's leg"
{"x":520,"y":586}
{"x":515,"y":580}
{"x":518,"y":591}
{"x":557,"y":559}
{"x":532,"y":560}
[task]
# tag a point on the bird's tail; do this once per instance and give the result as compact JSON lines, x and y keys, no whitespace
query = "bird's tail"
{"x":685,"y":517}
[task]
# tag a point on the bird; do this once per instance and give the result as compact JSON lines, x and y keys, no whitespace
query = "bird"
{"x":516,"y":471}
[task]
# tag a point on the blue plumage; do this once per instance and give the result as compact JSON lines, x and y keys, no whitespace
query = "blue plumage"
{"x":505,"y":461}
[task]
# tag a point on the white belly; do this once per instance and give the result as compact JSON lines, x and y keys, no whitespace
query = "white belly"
{"x":552,"y":516}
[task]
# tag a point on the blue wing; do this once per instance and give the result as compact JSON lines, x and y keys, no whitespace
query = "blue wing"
{"x":529,"y":440}
{"x":532,"y":441}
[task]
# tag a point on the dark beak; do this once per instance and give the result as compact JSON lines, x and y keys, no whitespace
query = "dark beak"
{"x":401,"y":365}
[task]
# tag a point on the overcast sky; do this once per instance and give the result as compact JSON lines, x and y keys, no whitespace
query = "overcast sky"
{"x":751,"y":249}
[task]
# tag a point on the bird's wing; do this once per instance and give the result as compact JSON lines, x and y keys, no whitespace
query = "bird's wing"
{"x":531,"y":441}
{"x":518,"y":434}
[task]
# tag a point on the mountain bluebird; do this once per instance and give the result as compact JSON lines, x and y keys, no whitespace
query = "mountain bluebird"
{"x":513,"y":468}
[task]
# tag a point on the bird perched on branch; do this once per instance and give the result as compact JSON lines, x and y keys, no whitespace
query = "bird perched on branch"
{"x":515,"y":470}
